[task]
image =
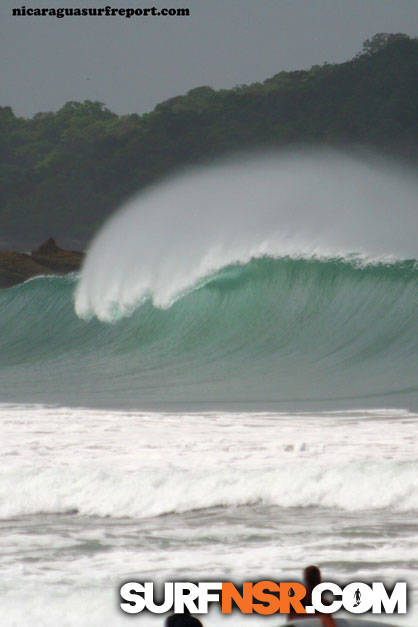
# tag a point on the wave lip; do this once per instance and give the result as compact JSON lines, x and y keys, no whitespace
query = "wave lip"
{"x":316,"y":205}
{"x":291,"y":331}
{"x":285,"y":280}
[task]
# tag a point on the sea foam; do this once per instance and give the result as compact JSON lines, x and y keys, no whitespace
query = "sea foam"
{"x":139,"y":465}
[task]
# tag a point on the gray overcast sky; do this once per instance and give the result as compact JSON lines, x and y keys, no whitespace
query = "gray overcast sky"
{"x":133,"y":64}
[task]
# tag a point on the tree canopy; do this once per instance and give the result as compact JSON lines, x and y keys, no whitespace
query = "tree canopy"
{"x":63,"y":173}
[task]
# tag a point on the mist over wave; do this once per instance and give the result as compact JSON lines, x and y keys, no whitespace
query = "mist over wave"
{"x":316,"y":204}
{"x":281,"y":280}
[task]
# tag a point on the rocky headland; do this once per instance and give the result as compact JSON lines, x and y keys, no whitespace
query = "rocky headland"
{"x":16,"y":267}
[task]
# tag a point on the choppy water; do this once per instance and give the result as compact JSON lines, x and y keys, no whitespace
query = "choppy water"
{"x":92,"y":498}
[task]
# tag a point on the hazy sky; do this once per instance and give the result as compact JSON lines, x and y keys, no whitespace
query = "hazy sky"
{"x":132,"y":64}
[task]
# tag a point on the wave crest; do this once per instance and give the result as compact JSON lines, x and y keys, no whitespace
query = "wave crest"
{"x":318,"y":205}
{"x":271,"y":331}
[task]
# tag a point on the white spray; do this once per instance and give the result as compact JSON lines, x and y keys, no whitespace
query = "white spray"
{"x":319,"y":204}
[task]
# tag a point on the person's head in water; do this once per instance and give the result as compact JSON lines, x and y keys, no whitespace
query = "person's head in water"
{"x":312,"y":576}
{"x":182,"y":620}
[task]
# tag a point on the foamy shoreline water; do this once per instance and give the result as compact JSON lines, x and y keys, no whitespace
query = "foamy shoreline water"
{"x":174,"y":496}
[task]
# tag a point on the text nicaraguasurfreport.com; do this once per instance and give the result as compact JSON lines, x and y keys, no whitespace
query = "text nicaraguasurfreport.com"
{"x":106,"y":11}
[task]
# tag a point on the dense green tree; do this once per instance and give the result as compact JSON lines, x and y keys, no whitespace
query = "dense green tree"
{"x":380,"y":41}
{"x":62,"y":173}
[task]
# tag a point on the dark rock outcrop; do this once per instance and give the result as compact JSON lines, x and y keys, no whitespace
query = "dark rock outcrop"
{"x":57,"y":259}
{"x":48,"y":248}
{"x":16,"y":267}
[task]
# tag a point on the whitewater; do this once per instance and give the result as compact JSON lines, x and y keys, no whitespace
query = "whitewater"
{"x":227,"y":390}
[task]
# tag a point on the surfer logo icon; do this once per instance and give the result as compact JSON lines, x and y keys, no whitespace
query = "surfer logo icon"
{"x":357,"y":597}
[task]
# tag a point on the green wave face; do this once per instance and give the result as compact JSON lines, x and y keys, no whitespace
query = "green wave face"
{"x":271,"y":334}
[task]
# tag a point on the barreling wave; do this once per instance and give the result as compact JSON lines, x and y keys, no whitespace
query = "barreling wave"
{"x":234,"y":285}
{"x":287,"y":332}
{"x":317,"y":205}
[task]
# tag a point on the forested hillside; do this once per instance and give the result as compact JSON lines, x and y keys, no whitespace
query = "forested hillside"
{"x":62,"y":173}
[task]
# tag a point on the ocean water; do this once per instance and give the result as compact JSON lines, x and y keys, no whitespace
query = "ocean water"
{"x":271,"y":334}
{"x":92,"y":498}
{"x":228,"y":390}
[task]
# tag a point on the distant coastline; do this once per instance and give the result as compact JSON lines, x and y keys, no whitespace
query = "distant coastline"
{"x":17,"y":267}
{"x":65,"y":172}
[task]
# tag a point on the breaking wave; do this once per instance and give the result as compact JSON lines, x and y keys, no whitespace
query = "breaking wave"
{"x":285,"y":280}
{"x":271,"y":331}
{"x":351,"y":486}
